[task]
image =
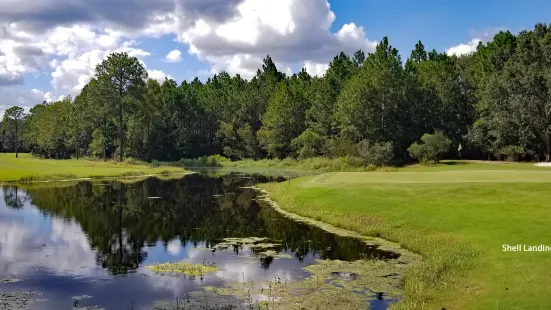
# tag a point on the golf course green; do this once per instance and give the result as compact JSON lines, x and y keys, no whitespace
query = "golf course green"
{"x":458,"y":218}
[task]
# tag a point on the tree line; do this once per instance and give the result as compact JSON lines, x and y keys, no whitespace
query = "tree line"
{"x":494,"y":103}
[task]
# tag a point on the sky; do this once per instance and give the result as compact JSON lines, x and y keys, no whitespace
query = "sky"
{"x":50,"y":48}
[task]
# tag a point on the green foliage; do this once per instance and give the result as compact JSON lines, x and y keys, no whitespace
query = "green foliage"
{"x":495,"y":100}
{"x":377,"y":154}
{"x":512,"y":152}
{"x":283,"y":121}
{"x":309,"y":144}
{"x":433,"y":148}
{"x":342,"y":147}
{"x":12,"y":127}
{"x":124,"y":77}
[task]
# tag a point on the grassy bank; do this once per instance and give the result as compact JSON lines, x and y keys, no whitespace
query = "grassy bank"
{"x":458,"y":220}
{"x":348,"y":164}
{"x":28,"y":168}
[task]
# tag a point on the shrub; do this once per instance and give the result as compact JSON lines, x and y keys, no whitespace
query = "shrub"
{"x":512,"y":152}
{"x":342,"y":148}
{"x":433,"y":148}
{"x":373,"y":153}
{"x":308,"y":144}
{"x":134,"y":162}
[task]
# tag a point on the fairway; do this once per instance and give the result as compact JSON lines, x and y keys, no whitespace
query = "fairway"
{"x":464,"y":176}
{"x":27,"y":167}
{"x":458,"y":220}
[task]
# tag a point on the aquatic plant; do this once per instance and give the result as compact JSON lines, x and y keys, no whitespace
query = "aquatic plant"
{"x":192,"y":270}
{"x":332,"y":284}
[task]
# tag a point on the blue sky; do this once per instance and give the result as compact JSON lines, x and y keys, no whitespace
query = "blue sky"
{"x":54,"y":52}
{"x":439,"y":24}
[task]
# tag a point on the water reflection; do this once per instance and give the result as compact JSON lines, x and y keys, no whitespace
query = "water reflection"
{"x":95,"y":237}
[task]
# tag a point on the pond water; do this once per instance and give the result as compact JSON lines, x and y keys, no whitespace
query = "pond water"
{"x":87,"y":244}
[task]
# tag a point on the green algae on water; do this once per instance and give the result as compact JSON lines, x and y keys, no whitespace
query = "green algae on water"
{"x":259,"y":246}
{"x":192,"y":270}
{"x":81,"y":297}
{"x":204,"y":300}
{"x":332,"y":284}
{"x":19,"y":300}
{"x":11,"y":280}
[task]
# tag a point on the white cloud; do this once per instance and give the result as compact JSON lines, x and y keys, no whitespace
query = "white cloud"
{"x":66,"y":253}
{"x":174,"y":56}
{"x":316,"y":69}
{"x":23,"y":98}
{"x":477,"y":38}
{"x":174,"y":247}
{"x":158,"y":75}
{"x":230,"y":35}
{"x":291,"y":31}
{"x":464,"y":49}
{"x":70,"y":52}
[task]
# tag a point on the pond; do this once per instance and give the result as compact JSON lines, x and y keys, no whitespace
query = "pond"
{"x":101,"y":244}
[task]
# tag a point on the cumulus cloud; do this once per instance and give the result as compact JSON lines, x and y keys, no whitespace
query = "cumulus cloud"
{"x":464,"y":49}
{"x":158,"y":75}
{"x":70,"y":53}
{"x":23,"y":98}
{"x":316,"y":69}
{"x":174,"y":56}
{"x":477,"y":38}
{"x":292,"y":32}
{"x":67,"y":39}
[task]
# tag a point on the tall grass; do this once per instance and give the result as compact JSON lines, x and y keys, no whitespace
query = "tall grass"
{"x":321,"y":164}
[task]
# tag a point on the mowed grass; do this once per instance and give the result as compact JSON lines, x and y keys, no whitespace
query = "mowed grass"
{"x":29,"y":168}
{"x":458,"y":220}
{"x":468,"y":165}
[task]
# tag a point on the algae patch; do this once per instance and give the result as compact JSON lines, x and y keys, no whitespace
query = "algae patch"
{"x":331,"y":285}
{"x":259,"y":246}
{"x":11,"y":280}
{"x":18,"y":300}
{"x":199,"y":301}
{"x":188,"y":269}
{"x":81,"y":297}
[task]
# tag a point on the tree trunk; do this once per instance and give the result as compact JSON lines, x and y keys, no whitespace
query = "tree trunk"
{"x":121,"y":144}
{"x":77,"y":148}
{"x":548,"y":145}
{"x":121,"y":151}
{"x":16,"y":138}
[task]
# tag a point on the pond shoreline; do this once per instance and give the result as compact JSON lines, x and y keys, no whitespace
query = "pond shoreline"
{"x":406,"y":256}
{"x":122,"y":177}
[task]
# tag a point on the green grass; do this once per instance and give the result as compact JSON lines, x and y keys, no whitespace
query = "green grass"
{"x":461,"y":165}
{"x":27,"y":168}
{"x":458,"y":220}
{"x":350,"y":163}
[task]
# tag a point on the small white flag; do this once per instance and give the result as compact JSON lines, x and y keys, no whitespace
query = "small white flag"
{"x":459,"y":148}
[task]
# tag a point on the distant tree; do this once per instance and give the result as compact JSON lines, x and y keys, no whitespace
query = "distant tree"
{"x":371,"y":103}
{"x":12,"y":126}
{"x":309,"y":144}
{"x":125,"y":76}
{"x":432,"y":149}
{"x":373,"y":153}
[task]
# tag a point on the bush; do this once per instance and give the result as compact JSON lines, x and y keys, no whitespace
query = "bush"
{"x":205,"y":161}
{"x":342,"y":148}
{"x":308,"y":144}
{"x":377,"y":154}
{"x":134,"y":162}
{"x":512,"y":152}
{"x":433,"y":148}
